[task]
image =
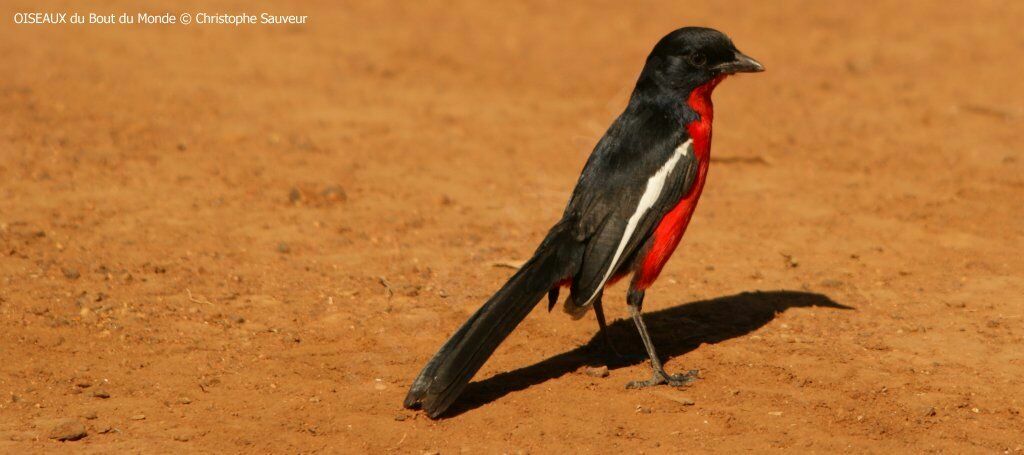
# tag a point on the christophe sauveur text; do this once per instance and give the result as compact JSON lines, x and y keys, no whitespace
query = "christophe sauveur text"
{"x":47,"y":18}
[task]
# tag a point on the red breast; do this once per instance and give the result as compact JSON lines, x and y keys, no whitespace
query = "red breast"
{"x":671,"y":228}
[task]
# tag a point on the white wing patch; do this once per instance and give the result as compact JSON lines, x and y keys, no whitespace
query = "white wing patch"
{"x":655,"y":185}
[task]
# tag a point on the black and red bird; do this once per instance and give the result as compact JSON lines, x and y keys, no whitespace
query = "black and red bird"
{"x":628,"y":212}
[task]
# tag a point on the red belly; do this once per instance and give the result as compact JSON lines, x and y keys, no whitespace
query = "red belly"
{"x":671,"y":228}
{"x":666,"y":237}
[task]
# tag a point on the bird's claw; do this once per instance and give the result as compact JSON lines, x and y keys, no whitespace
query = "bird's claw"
{"x":661,"y":377}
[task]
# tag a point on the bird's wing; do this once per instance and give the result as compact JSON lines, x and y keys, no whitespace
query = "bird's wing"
{"x":628,"y":185}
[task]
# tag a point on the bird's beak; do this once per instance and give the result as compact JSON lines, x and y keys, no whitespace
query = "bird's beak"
{"x":740,"y":64}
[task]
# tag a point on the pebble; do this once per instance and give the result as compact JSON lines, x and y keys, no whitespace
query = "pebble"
{"x":68,"y":430}
{"x":71,"y":274}
{"x":791,"y":262}
{"x":775,"y":413}
{"x":182,"y":437}
{"x":928,"y":411}
{"x":597,"y":372}
{"x":184,"y":400}
{"x":401,"y":417}
{"x":209,"y":382}
{"x":681,"y":399}
{"x":88,"y":316}
{"x":139,"y":417}
{"x":334,"y":193}
{"x":100,"y":393}
{"x":831,"y":283}
{"x":90,"y":415}
{"x":283,"y":248}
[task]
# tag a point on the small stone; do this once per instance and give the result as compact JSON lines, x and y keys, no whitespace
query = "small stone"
{"x":71,"y":274}
{"x":642,"y":410}
{"x":139,"y":417}
{"x":401,"y":417}
{"x":830,"y":283}
{"x":88,"y":316}
{"x":775,"y":413}
{"x":791,"y":262}
{"x":334,"y":193}
{"x":100,"y":393}
{"x":83,"y":383}
{"x":182,"y":437}
{"x":294,"y":195}
{"x":597,"y":372}
{"x":90,"y":415}
{"x":68,"y":430}
{"x":681,"y":399}
{"x":411,"y":290}
{"x":928,"y":411}
{"x":208,"y":383}
{"x":184,"y":400}
{"x":858,"y":66}
{"x":283,"y":248}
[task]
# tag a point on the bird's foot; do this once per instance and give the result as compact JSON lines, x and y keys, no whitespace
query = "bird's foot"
{"x":661,"y":377}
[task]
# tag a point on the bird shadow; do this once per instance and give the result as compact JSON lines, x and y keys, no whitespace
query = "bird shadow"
{"x":675,"y":331}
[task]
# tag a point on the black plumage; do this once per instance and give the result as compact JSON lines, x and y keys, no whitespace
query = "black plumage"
{"x":638,"y":171}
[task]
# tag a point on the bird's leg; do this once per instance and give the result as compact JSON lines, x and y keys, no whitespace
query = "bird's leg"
{"x":635,"y":300}
{"x":603,"y":328}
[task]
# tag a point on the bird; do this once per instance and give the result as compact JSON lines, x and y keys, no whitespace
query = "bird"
{"x":627,"y":214}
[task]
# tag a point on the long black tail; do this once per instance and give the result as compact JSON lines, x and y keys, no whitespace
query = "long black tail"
{"x":449,"y":371}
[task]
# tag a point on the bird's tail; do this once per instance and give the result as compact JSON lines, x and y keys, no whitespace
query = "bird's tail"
{"x":449,"y":371}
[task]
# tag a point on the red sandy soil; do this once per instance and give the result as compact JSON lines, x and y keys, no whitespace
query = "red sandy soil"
{"x":252,"y":238}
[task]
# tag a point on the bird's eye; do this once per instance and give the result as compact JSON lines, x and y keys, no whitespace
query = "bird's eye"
{"x":698,"y":59}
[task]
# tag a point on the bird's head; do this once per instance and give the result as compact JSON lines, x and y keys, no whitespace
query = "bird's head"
{"x":691,"y":57}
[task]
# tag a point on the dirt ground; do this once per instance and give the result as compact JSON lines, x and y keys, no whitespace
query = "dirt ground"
{"x":250,"y":239}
